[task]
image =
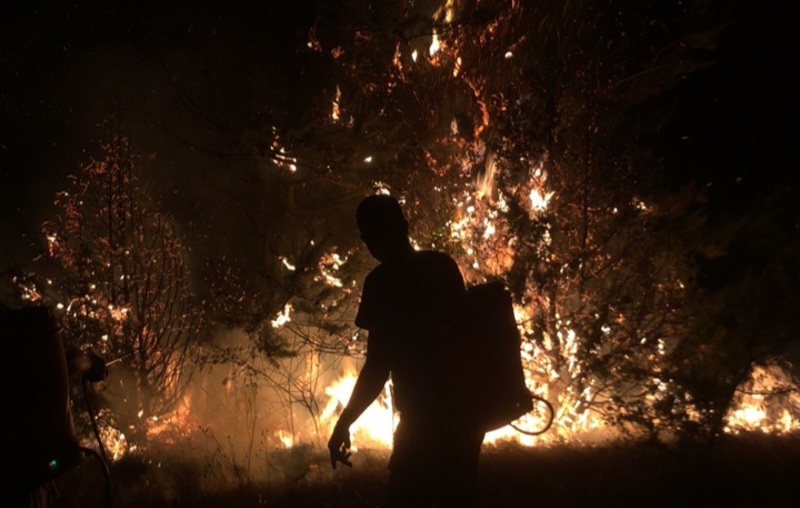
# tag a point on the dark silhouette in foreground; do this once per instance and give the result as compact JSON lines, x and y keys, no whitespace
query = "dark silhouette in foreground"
{"x":41,"y":444}
{"x":38,"y":429}
{"x":410,"y":306}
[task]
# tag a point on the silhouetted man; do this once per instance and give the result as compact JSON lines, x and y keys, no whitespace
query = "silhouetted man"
{"x":410,"y":305}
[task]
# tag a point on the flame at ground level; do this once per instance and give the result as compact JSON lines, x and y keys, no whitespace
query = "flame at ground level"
{"x":753,"y":410}
{"x":375,"y":426}
{"x":767,"y":402}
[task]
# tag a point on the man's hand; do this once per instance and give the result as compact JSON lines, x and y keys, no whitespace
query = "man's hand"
{"x":339,"y":445}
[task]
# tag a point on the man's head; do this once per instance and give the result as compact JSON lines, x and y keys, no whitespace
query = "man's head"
{"x":383,"y":226}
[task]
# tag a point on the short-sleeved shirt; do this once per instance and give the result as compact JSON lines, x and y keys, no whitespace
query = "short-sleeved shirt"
{"x":413,"y":306}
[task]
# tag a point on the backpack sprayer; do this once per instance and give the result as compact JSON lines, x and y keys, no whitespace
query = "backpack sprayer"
{"x":487,"y":364}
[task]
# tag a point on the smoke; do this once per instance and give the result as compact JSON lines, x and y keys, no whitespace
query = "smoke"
{"x":242,"y":417}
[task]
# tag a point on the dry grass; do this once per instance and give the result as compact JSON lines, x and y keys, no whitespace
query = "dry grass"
{"x":747,"y":471}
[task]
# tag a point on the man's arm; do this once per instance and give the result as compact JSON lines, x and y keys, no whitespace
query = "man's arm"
{"x":370,"y":382}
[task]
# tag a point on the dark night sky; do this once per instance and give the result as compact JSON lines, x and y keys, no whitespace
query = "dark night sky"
{"x":65,"y":66}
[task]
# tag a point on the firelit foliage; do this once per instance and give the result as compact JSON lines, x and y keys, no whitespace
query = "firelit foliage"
{"x":120,"y":282}
{"x":518,"y":137}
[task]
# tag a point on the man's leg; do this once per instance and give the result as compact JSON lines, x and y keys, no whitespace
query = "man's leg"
{"x":434,"y":465}
{"x":409,"y":468}
{"x":460,"y":473}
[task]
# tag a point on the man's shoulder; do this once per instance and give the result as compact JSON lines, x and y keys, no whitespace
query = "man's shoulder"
{"x":437,"y":262}
{"x":423,"y":263}
{"x":420,"y":257}
{"x":434,"y":257}
{"x":376,"y":273}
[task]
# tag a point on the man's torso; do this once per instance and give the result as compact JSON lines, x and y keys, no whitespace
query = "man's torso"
{"x":411,"y":306}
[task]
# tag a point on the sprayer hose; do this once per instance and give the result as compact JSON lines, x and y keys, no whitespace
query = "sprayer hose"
{"x":544,"y":429}
{"x":101,"y":456}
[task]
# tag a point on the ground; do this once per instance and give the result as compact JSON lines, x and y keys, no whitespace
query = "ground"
{"x":746,"y":471}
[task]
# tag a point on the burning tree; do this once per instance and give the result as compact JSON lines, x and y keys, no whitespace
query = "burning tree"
{"x":739,"y":357}
{"x":116,"y":273}
{"x":519,"y":138}
{"x":521,"y":158}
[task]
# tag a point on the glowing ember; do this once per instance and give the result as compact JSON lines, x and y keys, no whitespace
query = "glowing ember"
{"x":329,"y":265}
{"x":335,"y":112}
{"x":285,"y":438}
{"x":283,"y":317}
{"x":435,"y":46}
{"x":288,"y":264}
{"x":114,"y":442}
